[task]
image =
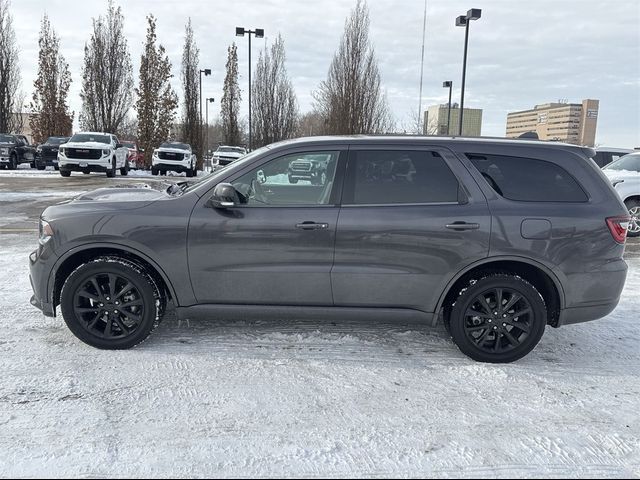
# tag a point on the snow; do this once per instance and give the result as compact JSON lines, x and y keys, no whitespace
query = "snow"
{"x":311,"y":399}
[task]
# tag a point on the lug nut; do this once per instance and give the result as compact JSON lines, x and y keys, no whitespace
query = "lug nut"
{"x":102,"y":304}
{"x":115,"y":311}
{"x":117,"y":303}
{"x":490,"y":320}
{"x":504,"y":324}
{"x":108,"y":298}
{"x":495,"y":328}
{"x":504,"y":315}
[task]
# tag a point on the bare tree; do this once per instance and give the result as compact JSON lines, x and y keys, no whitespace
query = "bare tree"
{"x":274,"y":105}
{"x":191,"y":131}
{"x":50,"y":114}
{"x":230,"y":104}
{"x":351,"y":98}
{"x":10,"y":100}
{"x":107,"y":75}
{"x":311,"y":124}
{"x":157,"y":102}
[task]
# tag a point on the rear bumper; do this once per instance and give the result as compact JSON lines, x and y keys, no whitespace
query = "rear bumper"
{"x":39,"y":270}
{"x":593,"y":295}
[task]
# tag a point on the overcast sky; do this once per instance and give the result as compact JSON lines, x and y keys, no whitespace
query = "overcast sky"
{"x":521,"y":53}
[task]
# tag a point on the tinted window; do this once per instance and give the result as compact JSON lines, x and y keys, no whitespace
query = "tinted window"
{"x":89,"y":137}
{"x":177,"y":145}
{"x":298,"y":179}
{"x":56,"y":140}
{"x":399,"y":176}
{"x":7,"y":139}
{"x":528,"y":179}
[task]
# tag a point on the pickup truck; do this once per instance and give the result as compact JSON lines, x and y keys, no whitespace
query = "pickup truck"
{"x":88,"y":152}
{"x":14,"y":150}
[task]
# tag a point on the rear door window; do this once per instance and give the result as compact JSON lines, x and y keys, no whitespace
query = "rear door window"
{"x":378,"y":177}
{"x":528,"y":179}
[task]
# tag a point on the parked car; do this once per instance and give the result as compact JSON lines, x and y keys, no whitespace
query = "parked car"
{"x":14,"y":150}
{"x":226,"y":154}
{"x":47,"y":152}
{"x":606,"y":155}
{"x":624,"y":175}
{"x":135,"y":154}
{"x":174,"y":157}
{"x":311,"y":168}
{"x":88,"y":152}
{"x":494,"y":237}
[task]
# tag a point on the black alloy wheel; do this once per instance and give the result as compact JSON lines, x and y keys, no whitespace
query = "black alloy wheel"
{"x":110,"y":303}
{"x":498,"y":319}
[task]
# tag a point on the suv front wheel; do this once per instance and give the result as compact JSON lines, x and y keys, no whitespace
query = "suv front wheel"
{"x":497,"y":318}
{"x":110,"y":303}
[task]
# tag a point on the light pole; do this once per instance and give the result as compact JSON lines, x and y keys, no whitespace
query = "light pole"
{"x":449,"y":84}
{"x":206,"y":137}
{"x":463,"y":21}
{"x":207,"y":72}
{"x":259,"y":33}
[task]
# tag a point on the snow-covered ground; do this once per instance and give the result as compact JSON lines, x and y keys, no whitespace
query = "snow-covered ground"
{"x":311,"y":399}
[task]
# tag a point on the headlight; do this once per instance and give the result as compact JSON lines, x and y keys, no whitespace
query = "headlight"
{"x":4,"y":151}
{"x":45,"y":231}
{"x":62,"y":150}
{"x":187,"y":156}
{"x":105,"y":152}
{"x":39,"y":149}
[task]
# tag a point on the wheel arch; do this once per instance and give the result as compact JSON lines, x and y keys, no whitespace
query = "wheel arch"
{"x":540,"y":276}
{"x":84,"y":253}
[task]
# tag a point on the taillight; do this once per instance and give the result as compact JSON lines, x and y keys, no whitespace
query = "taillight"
{"x":618,"y":227}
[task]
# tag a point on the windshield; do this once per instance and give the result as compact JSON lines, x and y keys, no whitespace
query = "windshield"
{"x":6,"y":139}
{"x":629,"y":162}
{"x":231,"y":149}
{"x":90,"y":137}
{"x":179,"y":146}
{"x":237,"y":164}
{"x":57,"y":140}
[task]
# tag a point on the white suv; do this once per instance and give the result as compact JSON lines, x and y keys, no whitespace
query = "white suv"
{"x":624,"y":175}
{"x":88,"y":152}
{"x":225,"y":154}
{"x":174,"y":156}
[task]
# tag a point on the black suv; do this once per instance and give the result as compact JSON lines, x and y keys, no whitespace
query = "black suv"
{"x":47,"y":153}
{"x":496,"y":238}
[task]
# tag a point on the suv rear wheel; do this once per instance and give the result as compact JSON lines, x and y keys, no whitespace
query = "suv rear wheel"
{"x":124,"y":171}
{"x":110,"y":303}
{"x":634,"y":212}
{"x":13,"y":162}
{"x":498,"y":318}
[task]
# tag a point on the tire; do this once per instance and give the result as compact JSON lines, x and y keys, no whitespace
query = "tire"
{"x":190,"y":173}
{"x":32,"y":165}
{"x":119,"y":283}
{"x":163,"y":172}
{"x":65,"y":173}
{"x":41,"y":167}
{"x":86,"y":173}
{"x":292,"y":180}
{"x":494,"y":334}
{"x":112,"y":171}
{"x":633,"y":206}
{"x":13,"y":162}
{"x":154,"y":171}
{"x":124,"y":171}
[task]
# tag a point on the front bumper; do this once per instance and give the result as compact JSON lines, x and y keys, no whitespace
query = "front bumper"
{"x":40,"y":267}
{"x":163,"y":166}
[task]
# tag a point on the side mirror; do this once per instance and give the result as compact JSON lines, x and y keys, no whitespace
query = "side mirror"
{"x":224,"y":196}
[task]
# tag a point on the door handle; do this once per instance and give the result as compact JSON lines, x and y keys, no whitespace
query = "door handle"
{"x":460,"y":226}
{"x":312,"y":226}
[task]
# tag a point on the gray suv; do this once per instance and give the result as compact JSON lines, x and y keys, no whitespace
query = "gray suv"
{"x":495,"y":238}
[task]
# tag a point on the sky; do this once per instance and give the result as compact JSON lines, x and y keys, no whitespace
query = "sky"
{"x":521,"y":52}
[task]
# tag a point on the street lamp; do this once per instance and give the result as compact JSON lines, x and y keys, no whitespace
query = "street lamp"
{"x":259,"y":33}
{"x":449,"y":84}
{"x":463,"y":21}
{"x":207,"y":72}
{"x":207,"y":101}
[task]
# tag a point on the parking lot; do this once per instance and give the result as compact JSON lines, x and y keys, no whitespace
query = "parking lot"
{"x":301,"y":398}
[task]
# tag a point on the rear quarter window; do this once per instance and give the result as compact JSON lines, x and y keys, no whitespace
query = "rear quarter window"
{"x":528,"y":179}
